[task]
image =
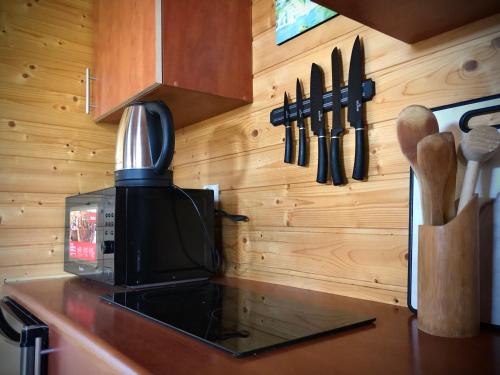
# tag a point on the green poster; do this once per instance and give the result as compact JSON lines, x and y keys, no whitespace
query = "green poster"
{"x":293,"y":17}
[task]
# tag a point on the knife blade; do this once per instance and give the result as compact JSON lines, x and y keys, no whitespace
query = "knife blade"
{"x":355,"y":110}
{"x":318,"y":121}
{"x":301,"y":125}
{"x":288,"y":130}
{"x":336,"y":159}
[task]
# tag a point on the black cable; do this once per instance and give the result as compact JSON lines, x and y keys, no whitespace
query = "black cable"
{"x":214,"y":251}
{"x":181,"y":240}
{"x":233,"y":218}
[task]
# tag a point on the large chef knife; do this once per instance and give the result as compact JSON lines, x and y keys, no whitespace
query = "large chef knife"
{"x":355,"y":110}
{"x":336,"y":160}
{"x":288,"y":130}
{"x":301,"y":126}
{"x":318,"y":120}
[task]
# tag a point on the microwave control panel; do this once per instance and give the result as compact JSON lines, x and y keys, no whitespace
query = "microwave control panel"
{"x":108,"y":224}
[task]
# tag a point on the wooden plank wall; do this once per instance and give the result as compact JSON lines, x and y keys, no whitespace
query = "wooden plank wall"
{"x":49,"y":148}
{"x":349,"y":240}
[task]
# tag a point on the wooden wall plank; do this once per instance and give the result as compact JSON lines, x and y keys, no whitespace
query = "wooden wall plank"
{"x":31,"y":271}
{"x":55,"y":10}
{"x":378,"y":204}
{"x":68,"y":23}
{"x":48,"y":114}
{"x":448,"y":75}
{"x":263,"y":167}
{"x":31,"y":246}
{"x":267,"y":54}
{"x":51,"y":64}
{"x":262,"y":16}
{"x":255,"y":136}
{"x":53,"y":176}
{"x":41,"y":140}
{"x":380,"y":50}
{"x":22,"y":71}
{"x":27,"y":236}
{"x":393,"y":295}
{"x":31,"y":210}
{"x":39,"y":98}
{"x":32,"y":255}
{"x":76,"y":36}
{"x":375,"y":258}
{"x":46,"y":46}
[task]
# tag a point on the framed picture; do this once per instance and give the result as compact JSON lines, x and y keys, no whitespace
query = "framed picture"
{"x":293,"y":17}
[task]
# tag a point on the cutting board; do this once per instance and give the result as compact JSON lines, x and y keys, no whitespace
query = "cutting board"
{"x":488,"y":188}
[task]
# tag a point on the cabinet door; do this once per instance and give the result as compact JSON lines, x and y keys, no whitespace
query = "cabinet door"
{"x":127,"y":54}
{"x":78,"y":354}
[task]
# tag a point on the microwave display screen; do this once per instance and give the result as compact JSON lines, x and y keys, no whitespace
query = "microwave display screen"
{"x":82,"y":234}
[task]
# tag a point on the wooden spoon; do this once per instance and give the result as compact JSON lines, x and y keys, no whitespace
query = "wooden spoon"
{"x":477,"y":146}
{"x":449,"y":189}
{"x":413,"y":124}
{"x":435,"y":161}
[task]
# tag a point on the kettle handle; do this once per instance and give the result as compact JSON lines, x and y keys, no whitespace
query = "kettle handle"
{"x":167,"y":125}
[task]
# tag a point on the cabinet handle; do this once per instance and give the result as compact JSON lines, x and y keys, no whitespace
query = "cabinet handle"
{"x":38,"y":356}
{"x":88,"y":77}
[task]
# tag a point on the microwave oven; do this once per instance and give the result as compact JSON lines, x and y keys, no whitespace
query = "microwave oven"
{"x":134,"y":236}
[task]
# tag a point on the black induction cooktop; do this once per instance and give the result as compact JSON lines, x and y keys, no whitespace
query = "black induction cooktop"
{"x":236,"y":320}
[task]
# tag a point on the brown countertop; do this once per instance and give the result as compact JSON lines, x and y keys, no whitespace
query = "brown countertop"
{"x":126,"y":343}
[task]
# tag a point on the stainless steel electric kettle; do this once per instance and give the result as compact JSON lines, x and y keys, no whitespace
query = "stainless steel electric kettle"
{"x":145,"y":145}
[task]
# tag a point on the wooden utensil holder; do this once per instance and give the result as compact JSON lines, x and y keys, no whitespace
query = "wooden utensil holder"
{"x":448,"y":275}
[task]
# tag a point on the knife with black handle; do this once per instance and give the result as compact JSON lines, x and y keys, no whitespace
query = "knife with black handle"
{"x":288,"y":131}
{"x":318,"y":121}
{"x":355,"y":110}
{"x":302,"y":160}
{"x":336,"y":159}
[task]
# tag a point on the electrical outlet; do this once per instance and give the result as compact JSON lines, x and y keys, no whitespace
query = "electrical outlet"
{"x":215,"y":189}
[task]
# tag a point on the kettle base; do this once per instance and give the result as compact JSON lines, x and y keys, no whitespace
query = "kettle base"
{"x":143,"y":177}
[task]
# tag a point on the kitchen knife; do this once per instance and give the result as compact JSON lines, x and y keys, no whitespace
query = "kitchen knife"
{"x":301,"y":126}
{"x":288,"y":130}
{"x":355,"y":110}
{"x":318,"y":120}
{"x":336,"y":159}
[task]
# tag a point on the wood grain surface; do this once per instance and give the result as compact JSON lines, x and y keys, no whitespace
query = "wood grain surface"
{"x":212,"y":55}
{"x":449,"y":305}
{"x":125,"y":52}
{"x":248,"y":127}
{"x":435,"y":159}
{"x":38,"y":140}
{"x":49,"y":148}
{"x":243,"y":153}
{"x":201,"y":67}
{"x":413,"y":21}
{"x":107,"y":339}
{"x":350,"y":255}
{"x":31,"y":246}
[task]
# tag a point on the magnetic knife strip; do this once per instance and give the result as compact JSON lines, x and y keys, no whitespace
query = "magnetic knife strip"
{"x":277,"y":117}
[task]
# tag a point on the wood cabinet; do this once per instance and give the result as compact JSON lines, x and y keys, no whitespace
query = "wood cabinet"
{"x":195,"y":55}
{"x":413,"y":20}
